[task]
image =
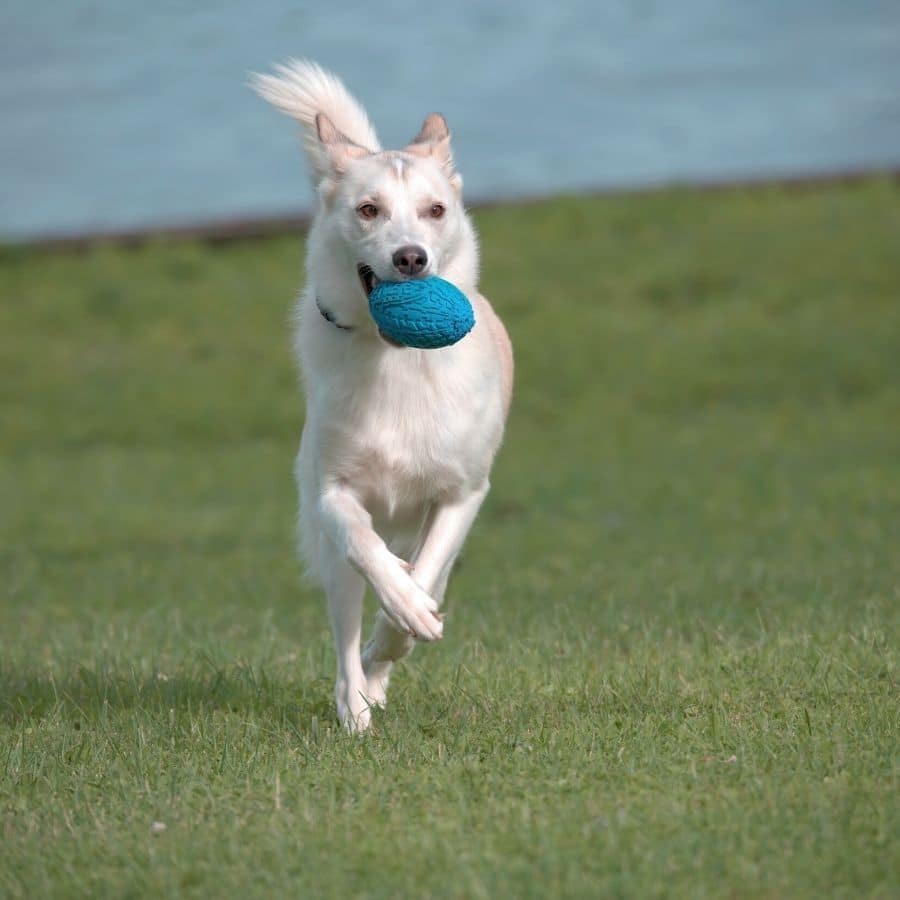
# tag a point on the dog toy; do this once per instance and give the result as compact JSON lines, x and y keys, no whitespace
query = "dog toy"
{"x":424,"y":313}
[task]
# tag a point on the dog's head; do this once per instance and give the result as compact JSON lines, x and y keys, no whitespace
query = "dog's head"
{"x":399,"y":212}
{"x":383,"y":215}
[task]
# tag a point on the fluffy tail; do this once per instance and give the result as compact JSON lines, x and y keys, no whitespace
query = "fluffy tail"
{"x":302,"y":89}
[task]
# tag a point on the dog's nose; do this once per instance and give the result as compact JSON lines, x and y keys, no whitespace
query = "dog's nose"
{"x":410,"y":260}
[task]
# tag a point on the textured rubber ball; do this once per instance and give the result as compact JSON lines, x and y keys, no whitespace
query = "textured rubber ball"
{"x":425,"y":313}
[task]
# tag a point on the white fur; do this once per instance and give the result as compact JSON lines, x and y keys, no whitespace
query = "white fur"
{"x":301,"y":90}
{"x":398,"y":443}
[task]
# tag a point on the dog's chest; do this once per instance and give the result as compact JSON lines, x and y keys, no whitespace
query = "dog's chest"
{"x":403,"y":437}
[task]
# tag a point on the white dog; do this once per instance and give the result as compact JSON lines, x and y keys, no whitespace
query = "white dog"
{"x":398,"y":443}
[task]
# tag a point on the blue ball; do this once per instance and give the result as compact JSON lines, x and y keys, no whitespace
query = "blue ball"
{"x":424,"y":313}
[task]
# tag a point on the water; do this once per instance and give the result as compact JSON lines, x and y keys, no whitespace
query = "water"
{"x":126,"y":114}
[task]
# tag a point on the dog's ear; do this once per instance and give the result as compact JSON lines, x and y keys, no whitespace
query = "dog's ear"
{"x":337,"y":151}
{"x":433,"y":140}
{"x":317,"y":100}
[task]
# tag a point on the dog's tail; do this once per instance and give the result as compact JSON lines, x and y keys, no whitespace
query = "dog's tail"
{"x":303,"y":89}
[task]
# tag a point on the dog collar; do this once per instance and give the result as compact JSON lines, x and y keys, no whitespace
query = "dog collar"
{"x":329,"y":317}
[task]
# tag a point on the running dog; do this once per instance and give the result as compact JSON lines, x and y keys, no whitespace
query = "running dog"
{"x":398,"y":443}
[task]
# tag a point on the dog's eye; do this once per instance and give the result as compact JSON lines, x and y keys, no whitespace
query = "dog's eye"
{"x":367,"y":211}
{"x":437,"y":210}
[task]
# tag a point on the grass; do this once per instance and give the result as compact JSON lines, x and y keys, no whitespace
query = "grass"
{"x":670,"y":664}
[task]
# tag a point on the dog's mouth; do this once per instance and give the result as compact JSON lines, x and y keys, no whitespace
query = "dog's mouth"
{"x":369,"y":281}
{"x":367,"y":278}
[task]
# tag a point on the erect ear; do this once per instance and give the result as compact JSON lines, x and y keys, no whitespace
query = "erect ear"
{"x":336,"y":150}
{"x":433,"y":140}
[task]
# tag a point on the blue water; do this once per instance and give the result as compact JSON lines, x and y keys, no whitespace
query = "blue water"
{"x":126,"y":114}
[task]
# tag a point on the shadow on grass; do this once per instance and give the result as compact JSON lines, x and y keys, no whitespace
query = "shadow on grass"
{"x":88,"y":694}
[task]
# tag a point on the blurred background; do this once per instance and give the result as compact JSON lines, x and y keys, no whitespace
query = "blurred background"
{"x":131,"y":115}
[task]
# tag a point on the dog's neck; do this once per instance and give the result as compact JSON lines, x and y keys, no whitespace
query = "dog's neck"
{"x":329,"y":317}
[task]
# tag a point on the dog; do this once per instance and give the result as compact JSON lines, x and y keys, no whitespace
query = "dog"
{"x":398,"y":443}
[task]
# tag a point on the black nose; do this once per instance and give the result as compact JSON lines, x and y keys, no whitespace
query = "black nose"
{"x":410,"y":260}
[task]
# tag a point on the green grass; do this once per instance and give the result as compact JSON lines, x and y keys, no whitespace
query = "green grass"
{"x":670,"y":658}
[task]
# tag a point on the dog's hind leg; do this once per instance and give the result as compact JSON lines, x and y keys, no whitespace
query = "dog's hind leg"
{"x":383,"y":649}
{"x":345,"y":589}
{"x":387,"y":646}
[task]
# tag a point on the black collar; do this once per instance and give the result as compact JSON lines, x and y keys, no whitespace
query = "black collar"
{"x":329,"y":317}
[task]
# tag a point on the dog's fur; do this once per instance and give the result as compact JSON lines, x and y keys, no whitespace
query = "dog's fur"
{"x":398,"y":443}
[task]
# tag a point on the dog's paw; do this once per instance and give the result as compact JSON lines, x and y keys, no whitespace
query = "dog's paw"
{"x":377,"y":677}
{"x":353,"y":708}
{"x":377,"y":670}
{"x":411,"y":610}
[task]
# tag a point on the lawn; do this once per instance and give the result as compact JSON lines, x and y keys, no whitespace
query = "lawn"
{"x":670,"y":662}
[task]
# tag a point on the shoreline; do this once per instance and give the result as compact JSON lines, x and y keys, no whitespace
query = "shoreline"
{"x":223,"y":231}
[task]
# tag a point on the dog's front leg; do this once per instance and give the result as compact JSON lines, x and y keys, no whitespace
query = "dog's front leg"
{"x":447,"y":530}
{"x":349,"y":526}
{"x":448,"y":526}
{"x":345,"y":589}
